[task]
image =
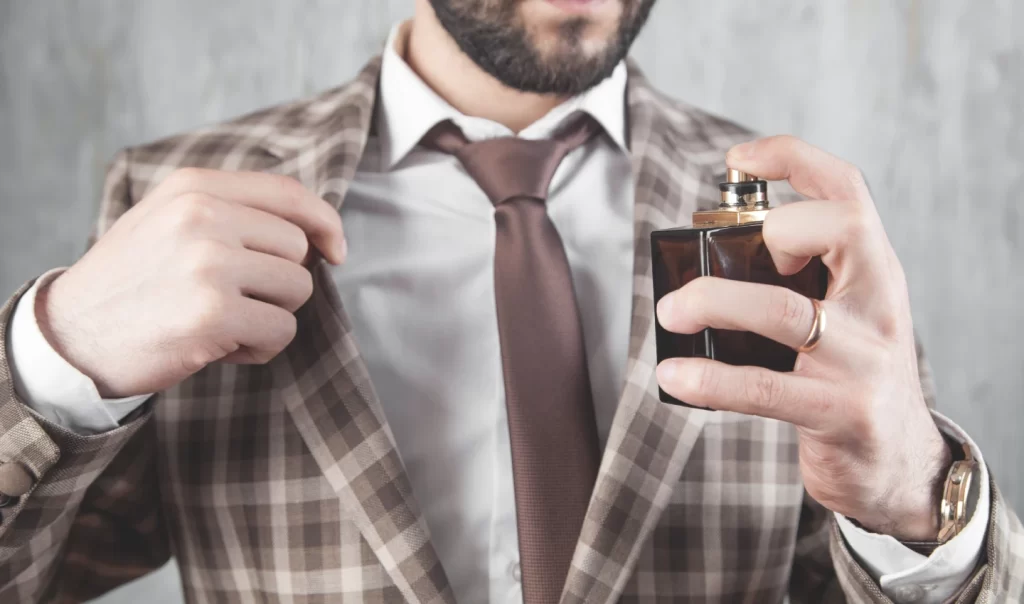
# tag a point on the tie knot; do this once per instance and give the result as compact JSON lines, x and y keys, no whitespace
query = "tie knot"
{"x":510,"y":167}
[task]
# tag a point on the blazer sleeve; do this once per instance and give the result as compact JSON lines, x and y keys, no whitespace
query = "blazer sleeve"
{"x":90,"y":519}
{"x":824,"y":569}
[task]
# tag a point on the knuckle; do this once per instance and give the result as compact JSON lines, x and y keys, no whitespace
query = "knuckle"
{"x":305,"y":286}
{"x":787,"y":140}
{"x":860,"y":421}
{"x":858,"y":223}
{"x":300,"y":290}
{"x":699,"y":379}
{"x":287,"y":327}
{"x":186,"y":178}
{"x":194,"y":359}
{"x":889,"y":326}
{"x":200,"y":319}
{"x":853,"y":175}
{"x":706,"y":379}
{"x":211,"y":307}
{"x":301,"y":243}
{"x":787,"y":308}
{"x":204,"y":260}
{"x":193,"y":210}
{"x":763,"y":389}
{"x":690,"y":300}
{"x":791,"y":145}
{"x":262,"y":357}
{"x":291,"y":190}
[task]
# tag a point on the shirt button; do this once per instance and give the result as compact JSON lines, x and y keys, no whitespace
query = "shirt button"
{"x":517,"y":572}
{"x":908,"y":593}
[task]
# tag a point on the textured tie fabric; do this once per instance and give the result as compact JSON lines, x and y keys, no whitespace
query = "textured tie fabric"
{"x":553,"y":433}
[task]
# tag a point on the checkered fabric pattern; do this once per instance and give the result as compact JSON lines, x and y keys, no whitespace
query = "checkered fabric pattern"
{"x":282,"y":483}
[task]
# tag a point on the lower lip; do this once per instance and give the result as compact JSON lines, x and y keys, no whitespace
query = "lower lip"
{"x":578,"y":7}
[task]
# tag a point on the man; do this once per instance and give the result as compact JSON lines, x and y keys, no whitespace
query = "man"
{"x":456,"y":397}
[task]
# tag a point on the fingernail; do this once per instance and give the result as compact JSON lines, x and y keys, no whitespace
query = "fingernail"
{"x":343,"y":253}
{"x":742,"y":151}
{"x":667,"y":371}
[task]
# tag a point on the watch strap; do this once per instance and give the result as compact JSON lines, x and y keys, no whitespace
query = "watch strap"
{"x":925,"y":548}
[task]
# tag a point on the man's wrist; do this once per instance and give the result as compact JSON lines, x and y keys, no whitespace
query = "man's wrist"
{"x":56,"y":328}
{"x":915,"y":516}
{"x":925,"y":523}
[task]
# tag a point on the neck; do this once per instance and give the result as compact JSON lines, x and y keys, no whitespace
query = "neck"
{"x":438,"y":61}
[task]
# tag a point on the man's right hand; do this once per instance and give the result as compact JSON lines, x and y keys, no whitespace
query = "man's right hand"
{"x":209,"y":266}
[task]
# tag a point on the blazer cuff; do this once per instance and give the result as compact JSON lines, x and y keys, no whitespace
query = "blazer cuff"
{"x":907,"y":576}
{"x":59,"y":462}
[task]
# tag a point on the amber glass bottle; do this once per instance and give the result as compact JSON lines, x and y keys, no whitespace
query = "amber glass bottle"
{"x":726,"y":242}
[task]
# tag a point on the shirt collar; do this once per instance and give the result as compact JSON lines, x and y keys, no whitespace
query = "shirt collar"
{"x":409,"y":108}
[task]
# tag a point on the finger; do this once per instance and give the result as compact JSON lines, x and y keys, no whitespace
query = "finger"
{"x":811,"y":171}
{"x":263,"y":232}
{"x":262,"y":330}
{"x":270,"y":279}
{"x":848,"y":236}
{"x":774,"y":312}
{"x":749,"y":390}
{"x":279,"y":195}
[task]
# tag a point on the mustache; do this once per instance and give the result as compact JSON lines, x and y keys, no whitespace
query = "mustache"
{"x":506,"y":8}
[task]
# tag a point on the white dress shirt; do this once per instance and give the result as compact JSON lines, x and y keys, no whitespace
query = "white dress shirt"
{"x":419,"y":287}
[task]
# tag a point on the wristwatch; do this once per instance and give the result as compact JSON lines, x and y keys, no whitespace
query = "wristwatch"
{"x":959,"y":498}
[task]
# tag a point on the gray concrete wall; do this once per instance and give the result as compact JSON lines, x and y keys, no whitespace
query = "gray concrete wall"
{"x":925,"y":96}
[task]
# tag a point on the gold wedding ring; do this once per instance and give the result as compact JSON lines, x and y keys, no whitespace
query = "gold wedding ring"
{"x":817,"y":328}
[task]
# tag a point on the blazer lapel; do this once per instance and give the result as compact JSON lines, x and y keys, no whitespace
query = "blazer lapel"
{"x":325,"y":383}
{"x":649,"y":441}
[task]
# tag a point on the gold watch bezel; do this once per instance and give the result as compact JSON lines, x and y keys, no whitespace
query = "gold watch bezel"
{"x":954,"y":512}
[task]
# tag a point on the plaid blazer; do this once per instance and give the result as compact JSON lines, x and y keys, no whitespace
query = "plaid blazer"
{"x":282,"y":483}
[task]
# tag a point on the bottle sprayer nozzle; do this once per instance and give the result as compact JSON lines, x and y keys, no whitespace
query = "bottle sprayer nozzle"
{"x":735,"y":176}
{"x":741,"y":190}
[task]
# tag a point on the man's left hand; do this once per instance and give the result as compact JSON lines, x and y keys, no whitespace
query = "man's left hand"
{"x":869,"y":448}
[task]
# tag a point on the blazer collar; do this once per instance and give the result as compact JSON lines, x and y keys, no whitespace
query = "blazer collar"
{"x":326,"y":385}
{"x":337,"y":412}
{"x":321,"y":142}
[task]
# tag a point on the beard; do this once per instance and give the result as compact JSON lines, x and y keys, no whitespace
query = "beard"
{"x":492,"y":33}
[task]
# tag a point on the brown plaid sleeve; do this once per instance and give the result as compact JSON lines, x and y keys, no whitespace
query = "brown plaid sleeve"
{"x":91,"y":518}
{"x":998,"y":578}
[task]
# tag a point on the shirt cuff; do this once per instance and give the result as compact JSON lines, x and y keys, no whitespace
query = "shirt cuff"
{"x":49,"y":385}
{"x":907,"y":576}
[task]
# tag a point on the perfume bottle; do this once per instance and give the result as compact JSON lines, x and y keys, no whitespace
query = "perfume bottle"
{"x":726,"y":242}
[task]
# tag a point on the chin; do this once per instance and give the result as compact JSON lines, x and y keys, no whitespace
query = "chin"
{"x":544,"y":46}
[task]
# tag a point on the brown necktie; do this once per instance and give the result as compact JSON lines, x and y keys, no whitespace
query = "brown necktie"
{"x":555,"y":450}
